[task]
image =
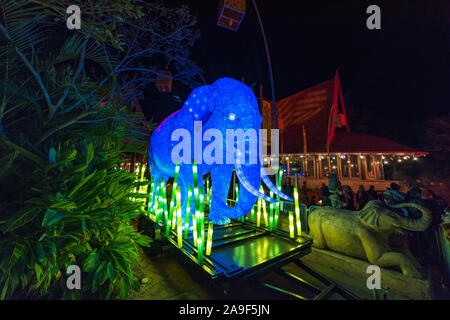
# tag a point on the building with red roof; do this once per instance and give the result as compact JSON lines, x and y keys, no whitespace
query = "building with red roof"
{"x":316,"y":139}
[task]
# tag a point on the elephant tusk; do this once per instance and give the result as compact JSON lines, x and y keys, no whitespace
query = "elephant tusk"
{"x":247,"y":185}
{"x":271,"y":187}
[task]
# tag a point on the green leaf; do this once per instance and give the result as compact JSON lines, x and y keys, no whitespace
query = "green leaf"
{"x":99,"y":277}
{"x":5,"y":288}
{"x":143,"y":241}
{"x":52,"y":216}
{"x":83,"y":227}
{"x":89,"y":153}
{"x":18,"y":253}
{"x":38,"y":271}
{"x":139,"y":195}
{"x":51,"y":246}
{"x":110,"y":271}
{"x":82,"y":183}
{"x":64,"y":160}
{"x":40,"y":254}
{"x":123,"y":289}
{"x":27,"y":154}
{"x":91,"y":262}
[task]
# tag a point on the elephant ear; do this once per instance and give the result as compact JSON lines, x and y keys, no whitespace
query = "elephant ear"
{"x":201,"y":103}
{"x":370,"y":214}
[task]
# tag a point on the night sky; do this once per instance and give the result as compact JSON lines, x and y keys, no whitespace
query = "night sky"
{"x":399,"y":75}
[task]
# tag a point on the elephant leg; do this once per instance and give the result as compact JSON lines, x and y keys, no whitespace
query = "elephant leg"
{"x":397,"y":259}
{"x":220,"y":183}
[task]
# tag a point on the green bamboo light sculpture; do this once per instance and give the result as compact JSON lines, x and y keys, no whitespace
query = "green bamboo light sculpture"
{"x":291,"y":224}
{"x":179,"y":225}
{"x":297,"y":213}
{"x":194,"y":221}
{"x":197,"y":204}
{"x":277,"y":208}
{"x":258,"y":214}
{"x":266,"y":218}
{"x":209,"y":240}
{"x":188,"y":213}
{"x":161,"y":200}
{"x":172,"y":198}
{"x":150,"y":208}
{"x":271,"y":213}
{"x":202,"y":216}
{"x":209,"y":195}
{"x":200,"y":229}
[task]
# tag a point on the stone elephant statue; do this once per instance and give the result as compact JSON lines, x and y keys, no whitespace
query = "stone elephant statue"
{"x":364,"y":234}
{"x":208,"y":114}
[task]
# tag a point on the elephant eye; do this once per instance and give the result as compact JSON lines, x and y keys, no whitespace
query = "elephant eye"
{"x":232,"y":116}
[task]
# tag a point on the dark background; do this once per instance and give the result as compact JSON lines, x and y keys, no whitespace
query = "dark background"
{"x":393,"y":79}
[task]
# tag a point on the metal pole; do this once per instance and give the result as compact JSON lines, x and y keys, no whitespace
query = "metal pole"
{"x":269,"y":63}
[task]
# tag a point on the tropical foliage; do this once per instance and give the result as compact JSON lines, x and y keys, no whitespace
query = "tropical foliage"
{"x":64,"y":199}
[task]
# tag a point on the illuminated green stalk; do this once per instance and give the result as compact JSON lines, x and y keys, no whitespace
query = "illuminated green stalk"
{"x":196,"y":216}
{"x":162,"y":200}
{"x":179,"y":226}
{"x":172,"y":198}
{"x":163,"y":197}
{"x":291,"y":224}
{"x":202,"y":216}
{"x":194,"y":221}
{"x":194,"y":171}
{"x":174,"y":219}
{"x":271,"y":213}
{"x":277,"y":208}
{"x":167,"y":219}
{"x":297,"y":212}
{"x":209,"y":196}
{"x":200,"y":250}
{"x":266,"y":219}
{"x":236,"y":189}
{"x":277,"y":213}
{"x":142,"y":172}
{"x":188,"y":213}
{"x":209,"y":240}
{"x":150,"y":200}
{"x":200,"y":229}
{"x":155,"y":207}
{"x":136,"y":177}
{"x":258,"y":214}
{"x":263,"y":202}
{"x":252,"y":216}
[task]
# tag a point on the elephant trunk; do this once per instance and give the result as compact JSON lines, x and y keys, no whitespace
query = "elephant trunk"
{"x":271,"y":186}
{"x":415,"y":224}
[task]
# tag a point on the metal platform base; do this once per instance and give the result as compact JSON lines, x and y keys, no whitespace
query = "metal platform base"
{"x":300,"y":284}
{"x":239,"y":250}
{"x":243,"y":252}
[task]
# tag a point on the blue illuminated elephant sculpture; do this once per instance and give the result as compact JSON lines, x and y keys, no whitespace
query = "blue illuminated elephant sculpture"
{"x":227,"y":104}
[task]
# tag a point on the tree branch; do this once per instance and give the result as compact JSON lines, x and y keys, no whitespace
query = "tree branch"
{"x":77,"y":73}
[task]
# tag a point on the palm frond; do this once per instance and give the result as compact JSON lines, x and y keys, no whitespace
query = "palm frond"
{"x":21,"y":22}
